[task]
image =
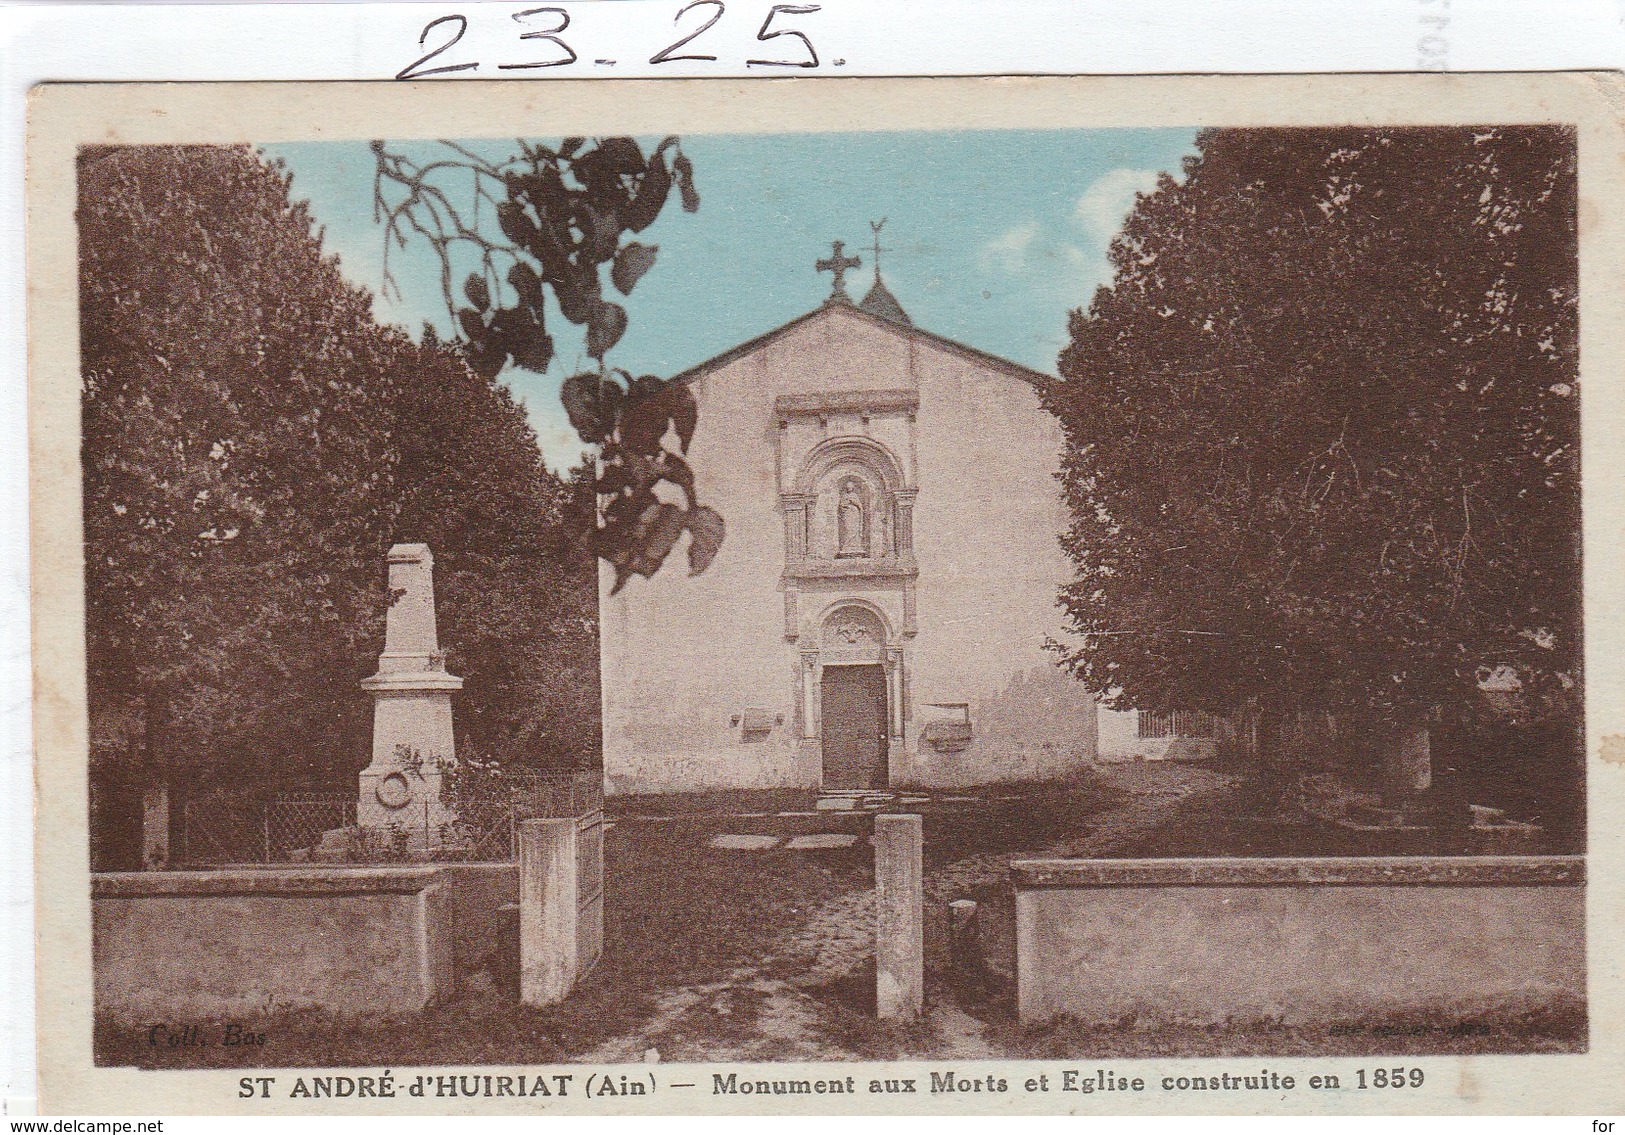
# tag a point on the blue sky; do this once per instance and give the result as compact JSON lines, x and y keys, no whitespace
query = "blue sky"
{"x":992,"y":237}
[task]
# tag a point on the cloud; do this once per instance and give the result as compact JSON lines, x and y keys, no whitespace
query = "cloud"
{"x":1008,"y":251}
{"x":562,"y":448}
{"x":1045,"y":262}
{"x":1104,"y":205}
{"x":1078,"y":263}
{"x":1048,"y":261}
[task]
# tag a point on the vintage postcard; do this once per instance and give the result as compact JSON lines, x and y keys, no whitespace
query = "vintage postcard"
{"x":925,"y":595}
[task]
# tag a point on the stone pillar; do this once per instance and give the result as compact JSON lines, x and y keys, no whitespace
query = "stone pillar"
{"x":547,"y":910}
{"x":792,"y":614}
{"x":894,"y":692}
{"x":905,"y":521}
{"x":899,"y":916}
{"x":155,"y":827}
{"x":1407,"y":761}
{"x":795,"y":507}
{"x":965,"y":939}
{"x":809,"y":695}
{"x":411,"y":707}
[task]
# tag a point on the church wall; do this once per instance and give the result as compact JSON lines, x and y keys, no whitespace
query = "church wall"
{"x":683,"y":656}
{"x":838,"y":354}
{"x":686,"y":658}
{"x":987,"y":521}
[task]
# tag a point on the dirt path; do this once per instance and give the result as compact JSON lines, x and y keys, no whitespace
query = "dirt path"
{"x":759,"y":1013}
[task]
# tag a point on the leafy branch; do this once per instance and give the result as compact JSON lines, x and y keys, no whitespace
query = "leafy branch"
{"x":544,"y":219}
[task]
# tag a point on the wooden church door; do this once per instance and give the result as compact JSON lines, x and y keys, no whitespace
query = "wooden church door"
{"x":854,"y":727}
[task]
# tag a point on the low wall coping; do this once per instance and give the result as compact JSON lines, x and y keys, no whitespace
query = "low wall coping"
{"x":478,"y":866}
{"x":1384,"y":871}
{"x":264,"y":881}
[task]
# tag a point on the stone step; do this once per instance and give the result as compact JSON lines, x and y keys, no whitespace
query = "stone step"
{"x":821,"y":842}
{"x":808,"y":823}
{"x":1506,"y":837}
{"x":732,"y":842}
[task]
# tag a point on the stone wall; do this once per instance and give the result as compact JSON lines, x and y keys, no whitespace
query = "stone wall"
{"x":1320,"y":941}
{"x":987,"y":524}
{"x":353,"y":941}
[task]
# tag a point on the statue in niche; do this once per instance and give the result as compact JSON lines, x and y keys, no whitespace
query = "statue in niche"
{"x":852,"y":521}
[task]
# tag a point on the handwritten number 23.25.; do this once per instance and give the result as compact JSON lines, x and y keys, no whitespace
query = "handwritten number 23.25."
{"x":548,"y":24}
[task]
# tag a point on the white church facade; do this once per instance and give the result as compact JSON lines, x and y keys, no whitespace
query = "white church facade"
{"x":878,"y":614}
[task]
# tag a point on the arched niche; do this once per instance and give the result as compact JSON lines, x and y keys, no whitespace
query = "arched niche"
{"x":864,"y":452}
{"x":852,"y":489}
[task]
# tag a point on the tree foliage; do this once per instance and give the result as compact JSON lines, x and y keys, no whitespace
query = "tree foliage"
{"x":515,"y":585}
{"x":252,"y":444}
{"x":235,"y":485}
{"x":543,"y":221}
{"x":1322,"y":429}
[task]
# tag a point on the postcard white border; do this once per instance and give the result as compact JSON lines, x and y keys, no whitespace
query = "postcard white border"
{"x":65,"y":116}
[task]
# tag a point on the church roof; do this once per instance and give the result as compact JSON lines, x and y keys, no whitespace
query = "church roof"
{"x":881,"y":302}
{"x":904,"y":327}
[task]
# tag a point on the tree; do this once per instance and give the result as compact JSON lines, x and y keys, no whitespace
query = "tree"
{"x":553,"y":220}
{"x":1322,"y":429}
{"x":235,"y":483}
{"x":253,"y":442}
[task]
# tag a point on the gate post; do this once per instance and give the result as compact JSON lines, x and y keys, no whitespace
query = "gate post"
{"x":155,"y":827}
{"x":964,"y":939}
{"x":547,"y":910}
{"x":899,"y":916}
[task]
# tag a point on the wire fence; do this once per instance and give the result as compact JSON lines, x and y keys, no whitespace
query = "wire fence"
{"x":487,"y":825}
{"x":219,"y":829}
{"x":295,"y":821}
{"x":1177,"y":723}
{"x":320,"y":825}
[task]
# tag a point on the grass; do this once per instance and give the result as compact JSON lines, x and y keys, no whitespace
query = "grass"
{"x":701,"y":953}
{"x":676,"y":913}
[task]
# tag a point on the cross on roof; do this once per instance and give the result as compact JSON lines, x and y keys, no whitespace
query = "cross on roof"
{"x":838,"y":263}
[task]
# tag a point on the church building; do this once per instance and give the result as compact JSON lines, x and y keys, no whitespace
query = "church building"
{"x":878,"y":613}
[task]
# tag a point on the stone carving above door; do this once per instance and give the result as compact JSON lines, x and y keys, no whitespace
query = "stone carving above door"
{"x":853,"y":632}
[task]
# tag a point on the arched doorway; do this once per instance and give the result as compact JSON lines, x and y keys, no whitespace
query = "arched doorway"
{"x":854,"y":709}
